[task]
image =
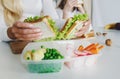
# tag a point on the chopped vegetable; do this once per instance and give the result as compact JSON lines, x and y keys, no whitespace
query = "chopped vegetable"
{"x":52,"y":53}
{"x":92,"y":48}
{"x":42,"y":54}
{"x":38,"y":55}
{"x":27,"y":55}
{"x":33,"y":51}
{"x":89,"y":46}
{"x":80,"y":48}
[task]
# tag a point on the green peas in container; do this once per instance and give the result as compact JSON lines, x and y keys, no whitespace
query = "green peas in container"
{"x":52,"y":60}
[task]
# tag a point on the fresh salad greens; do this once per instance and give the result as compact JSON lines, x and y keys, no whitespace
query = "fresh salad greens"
{"x":32,"y":19}
{"x":53,"y":25}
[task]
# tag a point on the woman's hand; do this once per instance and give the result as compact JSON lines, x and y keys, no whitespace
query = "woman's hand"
{"x":24,"y":31}
{"x":69,"y":5}
{"x":68,"y":8}
{"x":81,"y":8}
{"x":83,"y":29}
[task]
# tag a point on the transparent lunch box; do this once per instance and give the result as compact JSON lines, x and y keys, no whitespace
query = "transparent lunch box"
{"x":56,"y":65}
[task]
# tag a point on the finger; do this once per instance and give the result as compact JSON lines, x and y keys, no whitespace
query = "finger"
{"x":23,"y":25}
{"x":88,"y":22}
{"x":71,"y":3}
{"x":81,"y":32}
{"x":78,"y":34}
{"x":79,"y":6}
{"x":85,"y":28}
{"x":28,"y":37}
{"x":26,"y":31}
{"x":74,"y":3}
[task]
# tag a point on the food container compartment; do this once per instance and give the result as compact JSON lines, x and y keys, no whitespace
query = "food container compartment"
{"x":91,"y":60}
{"x":80,"y":62}
{"x":45,"y":66}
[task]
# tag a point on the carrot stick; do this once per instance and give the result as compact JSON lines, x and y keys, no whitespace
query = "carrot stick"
{"x":81,"y":48}
{"x":94,"y":51}
{"x":90,"y":46}
{"x":100,"y":47}
{"x":97,"y":44}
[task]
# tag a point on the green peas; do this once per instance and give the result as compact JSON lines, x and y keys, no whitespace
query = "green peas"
{"x":28,"y":58}
{"x":52,"y":53}
{"x":42,"y":46}
{"x":33,"y":50}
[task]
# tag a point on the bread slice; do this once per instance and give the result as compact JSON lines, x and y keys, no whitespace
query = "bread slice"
{"x":68,"y":20}
{"x":73,"y":29}
{"x":45,"y":27}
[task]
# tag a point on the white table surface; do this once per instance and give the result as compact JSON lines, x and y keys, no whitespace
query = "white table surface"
{"x":107,"y":66}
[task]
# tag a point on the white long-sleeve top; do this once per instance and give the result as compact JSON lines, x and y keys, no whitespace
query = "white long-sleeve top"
{"x":30,"y":8}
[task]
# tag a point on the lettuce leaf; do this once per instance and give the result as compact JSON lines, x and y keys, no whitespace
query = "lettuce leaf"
{"x":77,"y":17}
{"x":53,"y":25}
{"x":32,"y":19}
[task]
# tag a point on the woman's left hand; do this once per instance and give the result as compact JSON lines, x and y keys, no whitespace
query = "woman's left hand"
{"x":83,"y":29}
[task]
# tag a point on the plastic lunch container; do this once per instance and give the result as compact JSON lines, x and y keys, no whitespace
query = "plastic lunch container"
{"x":76,"y":63}
{"x":80,"y":62}
{"x":44,"y":66}
{"x":66,"y":48}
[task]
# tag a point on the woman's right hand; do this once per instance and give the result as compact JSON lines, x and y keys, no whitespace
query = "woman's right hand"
{"x":68,"y":8}
{"x":84,"y":29}
{"x":69,"y":5}
{"x":24,"y":31}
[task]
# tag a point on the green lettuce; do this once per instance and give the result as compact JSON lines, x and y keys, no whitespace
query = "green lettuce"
{"x":77,"y":17}
{"x":32,"y":19}
{"x":53,"y":25}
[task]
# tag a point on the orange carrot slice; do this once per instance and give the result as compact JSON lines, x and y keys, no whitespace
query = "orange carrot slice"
{"x":100,"y":47}
{"x":90,"y":46}
{"x":97,"y":44}
{"x":94,"y":51}
{"x":81,"y":48}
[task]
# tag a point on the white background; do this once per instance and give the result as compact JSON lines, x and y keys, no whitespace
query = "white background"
{"x":105,"y":12}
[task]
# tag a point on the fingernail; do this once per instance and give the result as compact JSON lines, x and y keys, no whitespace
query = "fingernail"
{"x":37,"y":30}
{"x":76,"y":34}
{"x":86,"y":24}
{"x":31,"y":25}
{"x":41,"y":33}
